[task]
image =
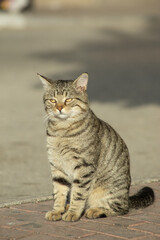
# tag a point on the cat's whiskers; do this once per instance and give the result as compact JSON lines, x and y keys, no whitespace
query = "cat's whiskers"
{"x":45,"y":117}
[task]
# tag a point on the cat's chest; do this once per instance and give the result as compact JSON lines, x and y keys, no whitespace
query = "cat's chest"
{"x":60,"y":154}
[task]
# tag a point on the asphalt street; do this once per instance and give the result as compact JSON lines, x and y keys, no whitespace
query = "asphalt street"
{"x":121,"y":53}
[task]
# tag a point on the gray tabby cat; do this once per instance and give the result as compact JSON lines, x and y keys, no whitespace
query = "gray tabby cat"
{"x":89,"y":160}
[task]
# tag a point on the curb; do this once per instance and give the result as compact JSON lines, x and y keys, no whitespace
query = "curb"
{"x":43,"y":199}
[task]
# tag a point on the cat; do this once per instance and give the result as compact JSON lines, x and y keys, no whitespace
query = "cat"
{"x":89,"y":160}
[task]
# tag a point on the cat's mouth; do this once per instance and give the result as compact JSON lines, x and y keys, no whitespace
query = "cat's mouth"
{"x":61,"y":115}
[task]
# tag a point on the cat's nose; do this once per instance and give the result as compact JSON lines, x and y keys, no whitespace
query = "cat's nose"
{"x":59,"y":107}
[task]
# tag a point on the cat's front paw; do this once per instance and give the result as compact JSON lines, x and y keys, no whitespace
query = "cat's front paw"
{"x":53,"y":215}
{"x":70,"y":216}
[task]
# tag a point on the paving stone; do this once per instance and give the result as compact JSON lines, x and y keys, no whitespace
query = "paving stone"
{"x":40,"y":207}
{"x":151,"y":217}
{"x":43,"y":237}
{"x":27,"y":222}
{"x":11,"y":221}
{"x":101,"y":237}
{"x":116,"y":231}
{"x":54,"y":229}
{"x":147,"y":228}
{"x":115,"y":221}
{"x":150,"y":237}
{"x":8,"y":233}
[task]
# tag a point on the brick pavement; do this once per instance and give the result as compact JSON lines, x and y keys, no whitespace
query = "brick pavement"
{"x":26,"y":221}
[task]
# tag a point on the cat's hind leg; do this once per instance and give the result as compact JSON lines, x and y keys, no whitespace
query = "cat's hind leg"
{"x":101,"y":203}
{"x":96,"y":203}
{"x":96,"y":212}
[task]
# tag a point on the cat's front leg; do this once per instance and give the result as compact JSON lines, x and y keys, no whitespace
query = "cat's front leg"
{"x":61,"y":187}
{"x":79,"y":193}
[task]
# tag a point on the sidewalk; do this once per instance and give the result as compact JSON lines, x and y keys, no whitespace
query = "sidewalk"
{"x":27,"y":222}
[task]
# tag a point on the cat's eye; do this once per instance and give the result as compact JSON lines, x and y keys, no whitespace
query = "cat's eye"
{"x":69,"y":99}
{"x":52,"y":100}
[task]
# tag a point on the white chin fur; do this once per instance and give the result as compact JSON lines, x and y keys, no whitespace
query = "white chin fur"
{"x":62,"y":116}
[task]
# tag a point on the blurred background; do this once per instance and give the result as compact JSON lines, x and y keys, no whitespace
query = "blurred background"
{"x":116,"y":42}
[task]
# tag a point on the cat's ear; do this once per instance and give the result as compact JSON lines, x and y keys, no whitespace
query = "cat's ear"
{"x":45,"y":81}
{"x":81,"y":82}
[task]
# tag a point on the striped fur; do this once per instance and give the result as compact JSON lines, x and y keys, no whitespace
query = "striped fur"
{"x":89,"y":160}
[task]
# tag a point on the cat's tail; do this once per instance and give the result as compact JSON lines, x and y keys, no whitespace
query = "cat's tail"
{"x":142,"y":198}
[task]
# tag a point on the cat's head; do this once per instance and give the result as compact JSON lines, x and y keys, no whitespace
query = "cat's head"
{"x":64,"y":99}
